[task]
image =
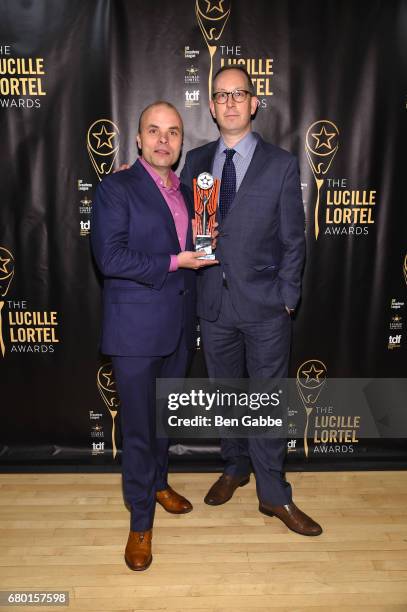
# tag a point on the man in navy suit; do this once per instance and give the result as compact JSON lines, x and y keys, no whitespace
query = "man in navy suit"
{"x":245,"y":304}
{"x":142,"y":242}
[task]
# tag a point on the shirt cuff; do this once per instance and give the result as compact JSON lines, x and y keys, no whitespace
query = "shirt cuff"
{"x":173,"y":263}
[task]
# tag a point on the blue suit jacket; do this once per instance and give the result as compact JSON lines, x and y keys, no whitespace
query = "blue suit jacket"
{"x":261,"y":244}
{"x":133,"y":235}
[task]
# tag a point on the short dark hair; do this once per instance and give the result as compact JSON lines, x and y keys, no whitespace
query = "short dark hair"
{"x":159,"y":103}
{"x":235,"y":67}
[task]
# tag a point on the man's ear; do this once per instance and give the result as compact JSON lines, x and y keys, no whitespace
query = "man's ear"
{"x":212,"y":108}
{"x":138,"y":140}
{"x":254,"y":103}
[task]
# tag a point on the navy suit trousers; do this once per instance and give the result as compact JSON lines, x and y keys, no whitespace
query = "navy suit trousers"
{"x":232,"y":346}
{"x":144,"y":456}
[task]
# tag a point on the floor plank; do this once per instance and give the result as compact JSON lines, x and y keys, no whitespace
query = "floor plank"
{"x":68,"y":531}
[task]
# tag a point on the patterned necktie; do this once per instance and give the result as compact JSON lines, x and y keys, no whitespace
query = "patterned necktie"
{"x":227,"y":184}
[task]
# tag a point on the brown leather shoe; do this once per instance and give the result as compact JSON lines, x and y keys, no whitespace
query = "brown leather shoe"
{"x":294,"y":518}
{"x":138,"y":555}
{"x":222,"y":490}
{"x":173,"y":502}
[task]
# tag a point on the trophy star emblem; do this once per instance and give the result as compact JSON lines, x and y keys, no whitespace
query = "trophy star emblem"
{"x":205,"y":180}
{"x":323,"y":138}
{"x":104,"y":138}
{"x":217,"y":6}
{"x":313,"y":374}
{"x":4,"y":261}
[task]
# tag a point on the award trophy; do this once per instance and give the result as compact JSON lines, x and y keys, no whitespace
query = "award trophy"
{"x":206,"y":190}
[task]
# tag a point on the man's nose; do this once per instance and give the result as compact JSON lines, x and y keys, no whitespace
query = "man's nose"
{"x":163,"y":137}
{"x":230,"y":101}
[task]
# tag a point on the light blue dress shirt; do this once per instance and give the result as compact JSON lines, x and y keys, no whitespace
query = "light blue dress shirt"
{"x":241,"y":159}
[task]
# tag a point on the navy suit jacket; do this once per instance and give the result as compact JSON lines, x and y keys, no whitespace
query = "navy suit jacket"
{"x":261,"y":243}
{"x":133,"y":235}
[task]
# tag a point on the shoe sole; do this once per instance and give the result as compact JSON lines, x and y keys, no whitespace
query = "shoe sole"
{"x":242,"y":484}
{"x":268,"y":513}
{"x":137,"y":569}
{"x":174,"y":511}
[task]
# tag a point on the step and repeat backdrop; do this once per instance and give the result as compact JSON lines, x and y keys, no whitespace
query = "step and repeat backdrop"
{"x":74,"y":76}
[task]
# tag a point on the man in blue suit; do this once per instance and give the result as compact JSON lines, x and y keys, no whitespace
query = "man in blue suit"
{"x":245,"y":304}
{"x":142,"y":243}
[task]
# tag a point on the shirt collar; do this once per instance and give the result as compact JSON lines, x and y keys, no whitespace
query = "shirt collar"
{"x":243,"y":147}
{"x":175,"y":182}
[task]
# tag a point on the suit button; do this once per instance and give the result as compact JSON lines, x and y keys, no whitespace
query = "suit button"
{"x":183,"y":291}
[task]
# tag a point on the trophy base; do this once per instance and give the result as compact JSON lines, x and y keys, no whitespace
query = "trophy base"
{"x":203,"y":243}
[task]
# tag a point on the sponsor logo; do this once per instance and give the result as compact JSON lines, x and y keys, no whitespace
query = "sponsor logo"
{"x":339,"y":209}
{"x":212,"y":18}
{"x":311,"y":379}
{"x":332,"y":432}
{"x":190,"y":53}
{"x":291,"y":445}
{"x":107,"y":388}
{"x":85,"y":207}
{"x":191,"y":98}
{"x":191,"y":75}
{"x":97,"y":432}
{"x":394,"y":341}
{"x":396,"y":322}
{"x":98,"y":448}
{"x":84,"y":228}
{"x":83,"y":185}
{"x":21,"y":80}
{"x":21,"y":329}
{"x":102,"y":143}
{"x":321,"y":145}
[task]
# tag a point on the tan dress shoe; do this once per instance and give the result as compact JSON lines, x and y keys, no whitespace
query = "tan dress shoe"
{"x":222,"y":490}
{"x":173,"y":502}
{"x":138,"y":555}
{"x":294,"y":518}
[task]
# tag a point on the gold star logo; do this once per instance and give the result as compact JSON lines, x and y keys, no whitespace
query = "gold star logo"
{"x":313,"y":374}
{"x":217,"y":6}
{"x":4,"y":261}
{"x":104,"y":138}
{"x":109,"y":380}
{"x":323,"y":138}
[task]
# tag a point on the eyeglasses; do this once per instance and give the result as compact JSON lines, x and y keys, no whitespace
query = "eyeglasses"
{"x":238,"y":95}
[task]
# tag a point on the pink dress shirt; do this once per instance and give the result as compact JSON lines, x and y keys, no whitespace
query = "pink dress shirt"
{"x":175,"y":202}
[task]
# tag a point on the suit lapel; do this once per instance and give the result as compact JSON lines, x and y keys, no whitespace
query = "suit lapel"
{"x":155,"y":198}
{"x":260,"y":159}
{"x":208,"y":158}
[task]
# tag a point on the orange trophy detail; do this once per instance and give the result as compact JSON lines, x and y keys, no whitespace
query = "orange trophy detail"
{"x":206,"y":191}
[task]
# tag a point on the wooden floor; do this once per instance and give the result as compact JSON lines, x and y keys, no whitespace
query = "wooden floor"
{"x":68,"y":531}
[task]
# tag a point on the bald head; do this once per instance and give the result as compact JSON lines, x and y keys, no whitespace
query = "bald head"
{"x":158,"y":103}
